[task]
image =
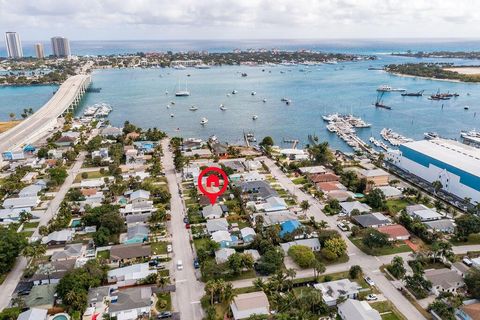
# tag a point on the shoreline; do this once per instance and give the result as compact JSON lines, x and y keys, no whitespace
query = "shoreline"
{"x":426,"y":78}
{"x":7,"y":125}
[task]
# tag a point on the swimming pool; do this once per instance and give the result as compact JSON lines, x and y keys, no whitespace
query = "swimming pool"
{"x":61,"y":316}
{"x":75,"y":223}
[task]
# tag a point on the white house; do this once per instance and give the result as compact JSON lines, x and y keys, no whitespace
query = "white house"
{"x":423,"y":213}
{"x":248,"y":304}
{"x":212,"y":212}
{"x":129,"y":275}
{"x":333,"y":290}
{"x":131,"y":303}
{"x":348,"y":207}
{"x":357,"y":310}
{"x":312,"y":243}
{"x":214,"y":225}
{"x":24,"y":202}
{"x":221,"y":255}
{"x":444,"y":280}
{"x":33,"y":314}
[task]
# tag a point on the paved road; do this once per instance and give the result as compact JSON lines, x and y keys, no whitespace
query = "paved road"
{"x":14,"y":276}
{"x":45,"y":118}
{"x":189,"y":290}
{"x":369,"y":264}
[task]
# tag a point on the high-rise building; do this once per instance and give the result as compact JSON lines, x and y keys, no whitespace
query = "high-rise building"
{"x":39,"y":52}
{"x":14,"y":46}
{"x":61,"y":47}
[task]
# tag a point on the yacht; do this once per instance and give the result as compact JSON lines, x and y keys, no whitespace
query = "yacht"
{"x":202,"y":66}
{"x":234,"y":92}
{"x":168,"y":106}
{"x":253,"y":93}
{"x":193,"y":108}
{"x":330,"y":117}
{"x":466,"y":107}
{"x":204,"y":121}
{"x":255,"y":117}
{"x":182,"y":93}
{"x":264,"y":100}
{"x":430,"y":135}
{"x":222,"y":107}
{"x":171,"y":115}
{"x":387,"y":88}
{"x":179,"y":67}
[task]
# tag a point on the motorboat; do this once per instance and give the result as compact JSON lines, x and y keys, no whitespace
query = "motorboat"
{"x":253,"y":93}
{"x":203,"y":121}
{"x":254,"y":117}
{"x":193,"y":108}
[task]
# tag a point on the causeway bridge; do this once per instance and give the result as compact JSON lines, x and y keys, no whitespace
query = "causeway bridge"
{"x":66,"y":99}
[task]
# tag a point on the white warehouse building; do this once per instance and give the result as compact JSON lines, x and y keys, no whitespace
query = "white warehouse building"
{"x":455,"y":165}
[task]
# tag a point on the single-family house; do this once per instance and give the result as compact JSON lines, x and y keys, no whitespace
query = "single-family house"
{"x":442,"y":225}
{"x":469,"y":311}
{"x":52,"y":272}
{"x":312,"y":243}
{"x":322,"y":177}
{"x":272,"y":218}
{"x":423,"y":213}
{"x":444,"y":280}
{"x":252,"y":165}
{"x":294,"y":154}
{"x":214,"y":225}
{"x":340,"y":195}
{"x":131,"y":303}
{"x":224,"y":238}
{"x":348,"y":207}
{"x":235,"y":165}
{"x":41,"y":297}
{"x":23,"y":202}
{"x":58,"y":237}
{"x":70,"y":251}
{"x":221,"y":255}
{"x":30,"y":191}
{"x":101,"y":154}
{"x":248,"y":304}
{"x":357,"y":310}
{"x":289,"y":226}
{"x":375,"y":177}
{"x":395,"y":232}
{"x":111,"y":132}
{"x":123,"y":253}
{"x":271,"y":204}
{"x":371,"y":220}
{"x":254,"y":253}
{"x":248,"y":234}
{"x":312,"y":170}
{"x":130,"y":275}
{"x":92,"y":183}
{"x":258,"y":190}
{"x":390,"y":192}
{"x":461,"y":268}
{"x":29,"y":177}
{"x":332,"y":290}
{"x":212,"y":212}
{"x":137,"y":233}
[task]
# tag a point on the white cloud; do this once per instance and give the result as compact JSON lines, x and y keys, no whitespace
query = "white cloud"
{"x":160,"y":19}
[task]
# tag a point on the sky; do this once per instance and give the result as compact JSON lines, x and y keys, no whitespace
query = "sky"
{"x":240,"y":19}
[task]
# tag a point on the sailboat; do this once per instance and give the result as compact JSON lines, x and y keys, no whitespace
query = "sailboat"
{"x":183,"y":93}
{"x":379,"y":102}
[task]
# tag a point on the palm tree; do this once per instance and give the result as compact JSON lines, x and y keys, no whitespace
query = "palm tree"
{"x":318,"y":268}
{"x":211,"y":289}
{"x":34,"y":250}
{"x":305,"y":205}
{"x":162,"y":281}
{"x":12,"y":116}
{"x":322,"y":224}
{"x":437,"y":185}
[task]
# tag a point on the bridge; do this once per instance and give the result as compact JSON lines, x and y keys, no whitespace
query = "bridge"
{"x":66,"y":99}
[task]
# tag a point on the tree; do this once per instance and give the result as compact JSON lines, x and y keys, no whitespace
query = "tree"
{"x":318,"y":268}
{"x":376,"y":199}
{"x":375,"y":239}
{"x":442,"y":309}
{"x":57,"y":175}
{"x":304,"y":205}
{"x":355,"y":272}
{"x":437,"y":186}
{"x":466,"y":225}
{"x":270,"y":262}
{"x":397,"y":268}
{"x":235,"y":263}
{"x":472,"y":280}
{"x":336,"y":245}
{"x":12,"y":116}
{"x":266,"y":142}
{"x":321,"y":153}
{"x":302,"y":255}
{"x":11,"y":244}
{"x":101,"y":237}
{"x":34,"y":250}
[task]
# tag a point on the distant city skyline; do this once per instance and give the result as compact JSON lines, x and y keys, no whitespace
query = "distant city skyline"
{"x":250,"y":19}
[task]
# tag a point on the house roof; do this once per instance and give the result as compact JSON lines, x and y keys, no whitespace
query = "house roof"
{"x":254,"y":253}
{"x":32,"y":189}
{"x":423,"y":212}
{"x":371,"y":173}
{"x":259,"y":189}
{"x":323,"y":177}
{"x":134,"y":218}
{"x":210,"y":210}
{"x":64,"y":235}
{"x":276,"y":217}
{"x":130,"y":251}
{"x":20,"y":202}
{"x":312,"y":243}
{"x":390,"y":191}
{"x":444,"y":277}
{"x":70,"y":251}
{"x":328,"y":186}
{"x":246,"y":304}
{"x":289,"y":226}
{"x":442,"y":224}
{"x":131,"y":272}
{"x":132,"y":298}
{"x":220,"y":224}
{"x":41,"y":295}
{"x":358,"y":310}
{"x":371,"y":219}
{"x":89,"y":192}
{"x":348,"y":207}
{"x":247,"y":231}
{"x":222,"y":255}
{"x":219,"y":236}
{"x":142,"y":194}
{"x":394,"y":231}
{"x":33,"y":314}
{"x":138,"y":229}
{"x":473,"y":310}
{"x":314,"y":169}
{"x":332,"y":290}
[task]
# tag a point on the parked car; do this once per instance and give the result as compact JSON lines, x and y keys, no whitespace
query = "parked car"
{"x":185,"y":220}
{"x":372,"y":297}
{"x":164,"y":315}
{"x":196,"y":264}
{"x":179,"y":265}
{"x":467,"y":261}
{"x":169,"y":248}
{"x":342,"y":226}
{"x":187,"y":225}
{"x":369,"y":281}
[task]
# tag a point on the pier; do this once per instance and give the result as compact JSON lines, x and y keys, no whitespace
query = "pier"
{"x":66,"y":99}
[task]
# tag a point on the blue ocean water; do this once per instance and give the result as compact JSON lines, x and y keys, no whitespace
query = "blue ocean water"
{"x":138,"y":95}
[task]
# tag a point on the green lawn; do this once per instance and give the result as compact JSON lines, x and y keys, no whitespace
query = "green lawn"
{"x":399,"y":247}
{"x":30,"y":225}
{"x":164,"y":302}
{"x":164,"y":273}
{"x":159,"y":247}
{"x":342,"y":259}
{"x":199,"y":243}
{"x":104,"y":254}
{"x":90,"y":175}
{"x":397,"y":205}
{"x":388,"y":311}
{"x":300,"y":180}
{"x":250,"y":274}
{"x":472,"y":239}
{"x":27,"y":234}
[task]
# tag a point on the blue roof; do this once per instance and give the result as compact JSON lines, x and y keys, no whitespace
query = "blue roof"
{"x":29,"y":148}
{"x":289,"y":226}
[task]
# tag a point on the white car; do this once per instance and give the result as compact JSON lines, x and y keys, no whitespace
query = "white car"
{"x":369,"y":281}
{"x":179,"y":265}
{"x":342,"y":226}
{"x":169,"y":248}
{"x":372,"y":297}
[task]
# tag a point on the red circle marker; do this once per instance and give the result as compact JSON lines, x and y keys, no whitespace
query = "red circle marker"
{"x":213,"y":179}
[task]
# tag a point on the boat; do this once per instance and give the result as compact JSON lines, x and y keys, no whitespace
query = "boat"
{"x":179,"y":67}
{"x":172,"y":102}
{"x":284,"y":99}
{"x":204,"y":121}
{"x":394,"y":138}
{"x":288,"y":102}
{"x":244,"y":74}
{"x":193,"y":108}
{"x":313,"y":138}
{"x":166,"y":92}
{"x":379,"y":103}
{"x":183,"y":93}
{"x":466,"y":108}
{"x":253,"y":93}
{"x":234,"y":92}
{"x":387,"y":88}
{"x":168,"y":106}
{"x":264,"y":100}
{"x":330,"y":117}
{"x":254,"y":117}
{"x":430,"y":135}
{"x":413,"y":94}
{"x":250,"y":137}
{"x":171,"y":115}
{"x":202,"y":66}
